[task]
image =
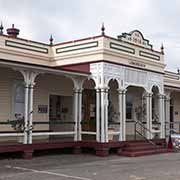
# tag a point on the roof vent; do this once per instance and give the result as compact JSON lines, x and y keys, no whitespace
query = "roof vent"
{"x":13,"y":32}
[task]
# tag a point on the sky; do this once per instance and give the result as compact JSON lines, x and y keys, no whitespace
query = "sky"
{"x":158,"y":20}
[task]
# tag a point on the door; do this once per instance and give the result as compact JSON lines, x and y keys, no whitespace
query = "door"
{"x":89,"y":110}
{"x":54,"y":111}
{"x":171,"y":114}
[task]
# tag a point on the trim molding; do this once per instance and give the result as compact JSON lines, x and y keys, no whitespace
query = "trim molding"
{"x":77,"y":47}
{"x":9,"y":63}
{"x":149,"y":55}
{"x":26,"y":46}
{"x":173,"y":87}
{"x":107,"y":61}
{"x":120,"y":47}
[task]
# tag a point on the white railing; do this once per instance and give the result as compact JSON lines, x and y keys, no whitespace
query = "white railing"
{"x":11,"y":134}
{"x":53,"y":133}
{"x":88,"y":132}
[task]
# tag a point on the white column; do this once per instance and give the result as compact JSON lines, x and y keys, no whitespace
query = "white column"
{"x":149,"y":115}
{"x":26,"y":103}
{"x":97,"y":115}
{"x":79,"y":114}
{"x":76,"y":114}
{"x":104,"y":114}
{"x":29,"y":78}
{"x":167,"y":105}
{"x":30,"y":113}
{"x":167,"y":114}
{"x":122,"y":114}
{"x":161,"y":115}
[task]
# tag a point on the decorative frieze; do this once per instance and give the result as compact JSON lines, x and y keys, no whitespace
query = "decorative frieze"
{"x":103,"y":72}
{"x":135,"y":77}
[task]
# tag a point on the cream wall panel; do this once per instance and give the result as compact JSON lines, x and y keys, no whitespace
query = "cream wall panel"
{"x":46,"y":85}
{"x":7,"y":78}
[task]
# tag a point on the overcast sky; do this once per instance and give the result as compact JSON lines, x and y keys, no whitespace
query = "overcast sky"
{"x":158,"y":20}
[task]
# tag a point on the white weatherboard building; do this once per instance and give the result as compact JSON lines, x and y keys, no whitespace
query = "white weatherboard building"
{"x":98,"y":89}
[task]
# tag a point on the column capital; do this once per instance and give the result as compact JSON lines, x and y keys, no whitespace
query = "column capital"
{"x":97,"y":90}
{"x":148,"y":94}
{"x":121,"y":91}
{"x":167,"y":98}
{"x":31,"y":85}
{"x":161,"y":96}
{"x":26,"y":85}
{"x":104,"y":89}
{"x":78,"y":90}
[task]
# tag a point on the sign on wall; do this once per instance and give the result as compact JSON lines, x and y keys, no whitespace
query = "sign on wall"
{"x":42,"y":108}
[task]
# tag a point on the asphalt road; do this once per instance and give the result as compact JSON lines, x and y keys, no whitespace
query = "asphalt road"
{"x":90,"y":167}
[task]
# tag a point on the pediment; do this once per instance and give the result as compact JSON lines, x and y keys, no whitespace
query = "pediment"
{"x":135,"y":37}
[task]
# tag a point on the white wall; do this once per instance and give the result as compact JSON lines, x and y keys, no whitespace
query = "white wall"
{"x":45,"y":85}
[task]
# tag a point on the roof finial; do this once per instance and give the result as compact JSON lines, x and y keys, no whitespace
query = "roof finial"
{"x":178,"y":71}
{"x":51,"y":40}
{"x":102,"y":29}
{"x":13,"y":32}
{"x":162,"y":49}
{"x":1,"y":28}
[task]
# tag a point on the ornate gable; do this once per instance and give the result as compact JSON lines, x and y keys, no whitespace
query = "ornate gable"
{"x":135,"y":37}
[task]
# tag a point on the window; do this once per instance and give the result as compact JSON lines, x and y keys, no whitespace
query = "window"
{"x":18,"y":100}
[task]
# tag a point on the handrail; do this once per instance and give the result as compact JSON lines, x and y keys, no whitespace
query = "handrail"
{"x":53,"y":122}
{"x":142,"y":125}
{"x":14,"y":122}
{"x":136,"y":131}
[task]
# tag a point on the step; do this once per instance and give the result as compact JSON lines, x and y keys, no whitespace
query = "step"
{"x":135,"y":144}
{"x":143,"y":153}
{"x":142,"y":148}
{"x":145,"y":141}
{"x":138,"y":144}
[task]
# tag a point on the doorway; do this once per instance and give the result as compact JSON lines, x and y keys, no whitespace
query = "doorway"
{"x":135,"y":113}
{"x":171,"y":114}
{"x":54,"y":111}
{"x":89,"y":110}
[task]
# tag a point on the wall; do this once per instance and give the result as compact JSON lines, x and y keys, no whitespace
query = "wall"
{"x":45,"y":85}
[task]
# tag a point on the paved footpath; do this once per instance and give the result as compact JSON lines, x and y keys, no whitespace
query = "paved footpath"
{"x":89,"y":167}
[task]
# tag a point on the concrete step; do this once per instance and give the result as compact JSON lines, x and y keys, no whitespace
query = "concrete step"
{"x":141,"y":148}
{"x":138,"y":144}
{"x":143,"y":153}
{"x":144,"y":143}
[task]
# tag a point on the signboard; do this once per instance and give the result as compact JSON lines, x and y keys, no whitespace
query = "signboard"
{"x":137,"y":64}
{"x":42,"y":108}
